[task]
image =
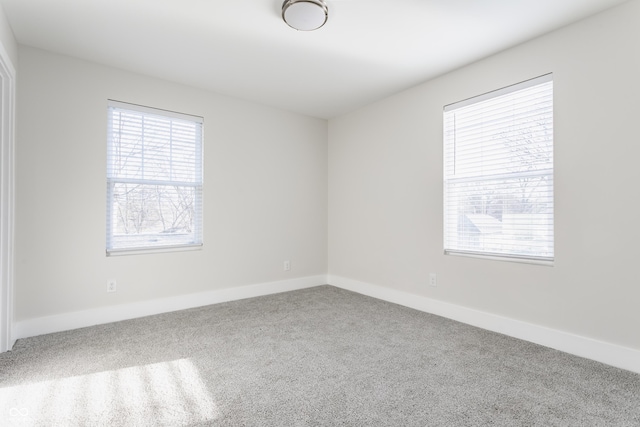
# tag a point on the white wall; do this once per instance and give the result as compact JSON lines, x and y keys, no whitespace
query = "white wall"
{"x":265,"y":191}
{"x":385,"y":187}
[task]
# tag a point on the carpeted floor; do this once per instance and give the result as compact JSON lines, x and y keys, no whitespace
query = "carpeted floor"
{"x":315,"y":357}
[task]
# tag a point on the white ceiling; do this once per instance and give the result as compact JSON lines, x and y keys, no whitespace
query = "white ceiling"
{"x":368,"y":49}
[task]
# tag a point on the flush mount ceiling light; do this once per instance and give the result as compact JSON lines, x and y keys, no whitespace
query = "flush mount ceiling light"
{"x":305,"y":15}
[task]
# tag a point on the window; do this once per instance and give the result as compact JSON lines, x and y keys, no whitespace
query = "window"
{"x":154,"y":179}
{"x":498,"y":173}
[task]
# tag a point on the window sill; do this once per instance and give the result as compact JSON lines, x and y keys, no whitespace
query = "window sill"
{"x":146,"y":251}
{"x":522,"y":260}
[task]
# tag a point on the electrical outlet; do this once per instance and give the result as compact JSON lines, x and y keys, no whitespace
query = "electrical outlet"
{"x":111,"y":285}
{"x":433,"y":279}
{"x":287,"y":265}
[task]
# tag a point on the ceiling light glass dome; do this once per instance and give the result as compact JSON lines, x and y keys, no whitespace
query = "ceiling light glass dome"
{"x":305,"y":15}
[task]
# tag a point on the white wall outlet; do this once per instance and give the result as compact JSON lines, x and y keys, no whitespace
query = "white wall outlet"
{"x":433,"y":279}
{"x":287,"y":265}
{"x":111,"y":285}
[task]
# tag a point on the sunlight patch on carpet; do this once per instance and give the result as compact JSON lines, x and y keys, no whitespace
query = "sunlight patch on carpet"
{"x":167,"y":393}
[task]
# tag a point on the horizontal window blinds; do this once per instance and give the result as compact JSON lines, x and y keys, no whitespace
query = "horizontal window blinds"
{"x":498,"y":173}
{"x":154,"y":178}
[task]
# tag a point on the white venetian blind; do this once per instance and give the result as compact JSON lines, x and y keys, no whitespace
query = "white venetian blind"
{"x":154,"y":178}
{"x":498,"y":173}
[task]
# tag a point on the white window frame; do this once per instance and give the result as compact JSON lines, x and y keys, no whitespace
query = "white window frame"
{"x":194,"y":239}
{"x":501,"y":245}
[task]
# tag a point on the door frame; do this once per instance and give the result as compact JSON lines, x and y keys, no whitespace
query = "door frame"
{"x":7,"y":198}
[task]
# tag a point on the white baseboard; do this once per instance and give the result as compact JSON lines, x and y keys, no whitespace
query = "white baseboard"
{"x":610,"y":354}
{"x":97,"y":316}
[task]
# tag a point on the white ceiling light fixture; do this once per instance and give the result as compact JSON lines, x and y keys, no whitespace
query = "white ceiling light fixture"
{"x":305,"y":15}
